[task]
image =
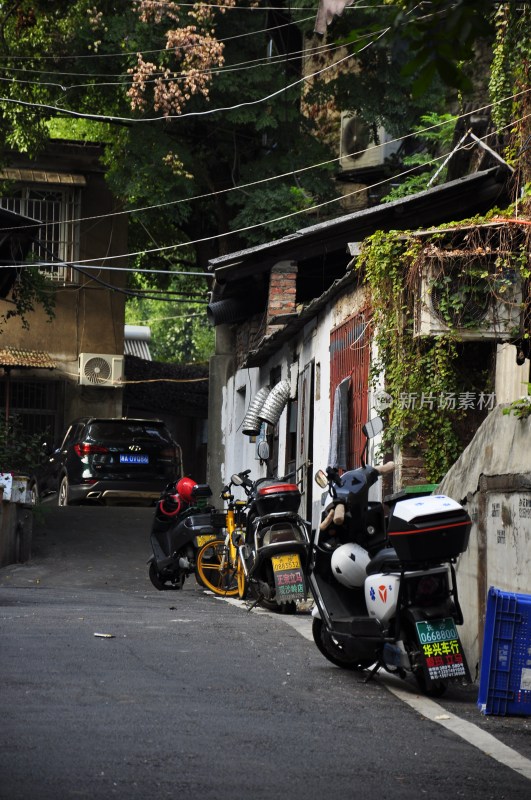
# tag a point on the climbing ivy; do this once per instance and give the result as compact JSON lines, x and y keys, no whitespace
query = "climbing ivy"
{"x":521,"y":408}
{"x":422,"y":373}
{"x":419,"y":373}
{"x":30,"y":290}
{"x":509,"y":82}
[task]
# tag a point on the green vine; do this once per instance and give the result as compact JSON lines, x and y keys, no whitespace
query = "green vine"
{"x":520,"y":408}
{"x":422,"y":373}
{"x":30,"y":289}
{"x":509,"y":79}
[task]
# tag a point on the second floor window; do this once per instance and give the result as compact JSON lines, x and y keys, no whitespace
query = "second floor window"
{"x":58,"y":236}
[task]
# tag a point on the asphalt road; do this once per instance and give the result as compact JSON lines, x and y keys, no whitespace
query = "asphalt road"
{"x":188,"y":694}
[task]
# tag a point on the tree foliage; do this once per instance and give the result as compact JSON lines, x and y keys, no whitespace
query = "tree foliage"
{"x":148,"y":78}
{"x":145,"y":78}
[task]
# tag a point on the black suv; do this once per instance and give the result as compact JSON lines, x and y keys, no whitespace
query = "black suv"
{"x":104,"y":461}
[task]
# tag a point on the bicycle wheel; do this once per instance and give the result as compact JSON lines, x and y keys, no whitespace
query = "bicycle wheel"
{"x":213,"y":570}
{"x":241,"y":580}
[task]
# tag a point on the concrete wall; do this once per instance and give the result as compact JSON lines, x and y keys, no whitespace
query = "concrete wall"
{"x":492,"y":479}
{"x":232,"y":391}
{"x":89,"y":315}
{"x":16,"y":526}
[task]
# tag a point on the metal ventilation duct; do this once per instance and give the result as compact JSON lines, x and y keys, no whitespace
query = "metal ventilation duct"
{"x":252,"y":423}
{"x":275,"y":403}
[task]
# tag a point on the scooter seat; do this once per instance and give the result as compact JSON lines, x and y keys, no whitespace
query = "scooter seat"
{"x":385,"y":560}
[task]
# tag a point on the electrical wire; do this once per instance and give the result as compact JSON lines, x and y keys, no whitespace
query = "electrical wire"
{"x":280,"y":176}
{"x":148,"y":294}
{"x":264,"y":223}
{"x":127,"y":54}
{"x":271,"y":60}
{"x":188,"y":114}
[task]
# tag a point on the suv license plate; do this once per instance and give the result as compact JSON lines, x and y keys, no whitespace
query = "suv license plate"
{"x":127,"y":459}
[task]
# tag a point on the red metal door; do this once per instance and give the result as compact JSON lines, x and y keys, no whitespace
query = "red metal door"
{"x":350,"y":357}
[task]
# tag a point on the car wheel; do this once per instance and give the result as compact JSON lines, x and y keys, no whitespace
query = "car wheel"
{"x":62,"y":495}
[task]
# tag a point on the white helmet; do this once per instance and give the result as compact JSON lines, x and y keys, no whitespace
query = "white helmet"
{"x":349,"y":565}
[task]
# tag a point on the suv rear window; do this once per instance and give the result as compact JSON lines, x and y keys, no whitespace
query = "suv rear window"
{"x":126,"y":431}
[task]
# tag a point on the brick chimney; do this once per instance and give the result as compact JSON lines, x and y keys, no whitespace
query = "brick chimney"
{"x":282,"y":294}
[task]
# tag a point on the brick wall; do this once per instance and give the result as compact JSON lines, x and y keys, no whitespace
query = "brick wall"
{"x":282,"y":293}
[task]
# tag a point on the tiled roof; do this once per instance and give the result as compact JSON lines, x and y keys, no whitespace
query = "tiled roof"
{"x":17,"y":357}
{"x":133,"y":347}
{"x":136,"y":341}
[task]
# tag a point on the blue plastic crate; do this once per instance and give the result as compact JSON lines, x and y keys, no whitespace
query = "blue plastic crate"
{"x":505,"y":678}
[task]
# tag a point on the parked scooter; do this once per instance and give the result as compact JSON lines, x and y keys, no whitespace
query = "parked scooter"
{"x":277,"y":543}
{"x":182,"y":524}
{"x":384,"y":586}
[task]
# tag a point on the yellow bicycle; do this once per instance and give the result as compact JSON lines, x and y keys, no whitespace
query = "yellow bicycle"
{"x":219,"y":563}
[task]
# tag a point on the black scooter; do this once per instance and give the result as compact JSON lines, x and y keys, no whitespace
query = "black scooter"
{"x":179,"y":529}
{"x":277,"y":543}
{"x":384,"y":584}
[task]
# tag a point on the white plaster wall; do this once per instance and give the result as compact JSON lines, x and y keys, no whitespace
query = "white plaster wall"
{"x":511,"y":378}
{"x":467,"y":588}
{"x":240,"y":452}
{"x":509,"y":541}
{"x":315,"y":345}
{"x":312,"y":343}
{"x":501,"y":446}
{"x":506,"y":563}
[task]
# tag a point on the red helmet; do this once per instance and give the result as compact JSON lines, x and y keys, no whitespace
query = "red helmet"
{"x":185,"y":488}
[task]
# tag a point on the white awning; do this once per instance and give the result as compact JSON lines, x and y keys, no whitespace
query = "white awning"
{"x":42,"y":176}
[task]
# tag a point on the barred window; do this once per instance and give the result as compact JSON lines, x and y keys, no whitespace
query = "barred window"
{"x":58,"y":236}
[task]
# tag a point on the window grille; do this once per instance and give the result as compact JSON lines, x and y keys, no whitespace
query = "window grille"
{"x":57,"y":238}
{"x":36,"y":404}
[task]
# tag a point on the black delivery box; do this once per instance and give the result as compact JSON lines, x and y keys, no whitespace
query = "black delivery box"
{"x":276,"y":498}
{"x":434,"y":528}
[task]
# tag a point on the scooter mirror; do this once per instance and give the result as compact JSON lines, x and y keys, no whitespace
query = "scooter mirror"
{"x":236,"y":480}
{"x":263,"y":450}
{"x":373,"y":427}
{"x":321,"y":479}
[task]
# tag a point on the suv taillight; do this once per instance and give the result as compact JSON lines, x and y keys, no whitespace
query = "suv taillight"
{"x":84,"y":449}
{"x":168,"y":452}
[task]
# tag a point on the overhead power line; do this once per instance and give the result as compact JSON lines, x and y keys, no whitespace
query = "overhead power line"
{"x":263,"y":61}
{"x":205,"y":112}
{"x":263,"y":223}
{"x":261,"y":181}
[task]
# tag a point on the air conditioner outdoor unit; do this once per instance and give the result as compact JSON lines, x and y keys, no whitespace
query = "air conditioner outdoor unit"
{"x":357,"y":146}
{"x":472,"y":312}
{"x":97,"y":369}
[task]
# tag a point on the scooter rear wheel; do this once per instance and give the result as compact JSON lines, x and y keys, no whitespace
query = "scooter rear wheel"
{"x":159,"y":583}
{"x":155,"y":578}
{"x":332,"y":650}
{"x":429,"y":688}
{"x":272,"y":605}
{"x":435,"y":689}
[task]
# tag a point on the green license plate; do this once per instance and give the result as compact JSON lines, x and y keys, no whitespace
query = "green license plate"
{"x":436,"y":630}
